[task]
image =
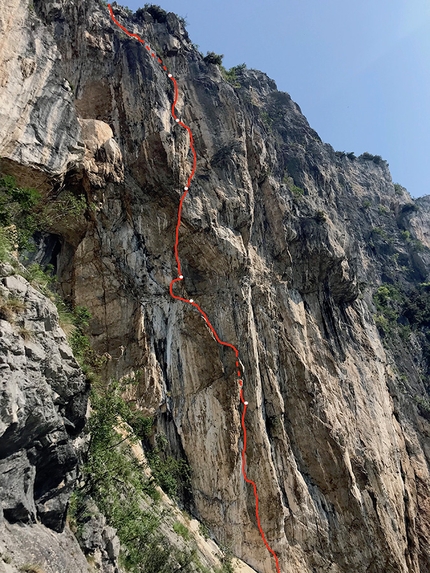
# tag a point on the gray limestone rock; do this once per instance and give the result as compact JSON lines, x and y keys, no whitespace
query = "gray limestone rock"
{"x":38,"y":125}
{"x":283,"y":242}
{"x":17,"y":488}
{"x":100,"y":541}
{"x":39,"y":546}
{"x":43,"y":408}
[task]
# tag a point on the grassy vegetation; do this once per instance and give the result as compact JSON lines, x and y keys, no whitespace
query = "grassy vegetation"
{"x":10,"y":307}
{"x":25,"y":333}
{"x":287,"y":180}
{"x":377,"y":159}
{"x":17,"y":211}
{"x":43,"y":279}
{"x":114,"y":478}
{"x":416,"y":244}
{"x":31,"y":568}
{"x":181,"y":530}
{"x":213,"y":58}
{"x":297,"y":191}
{"x":403,"y":317}
{"x":267,"y":120}
{"x":402,"y":312}
{"x":388,"y":301}
{"x":231,"y":75}
{"x":399,"y":189}
{"x":5,"y":245}
{"x":67,"y":209}
{"x":423,"y":403}
{"x":22,"y":213}
{"x":171,"y":474}
{"x":227,"y":563}
{"x":379,"y":232}
{"x":204,"y":530}
{"x":74,"y":321}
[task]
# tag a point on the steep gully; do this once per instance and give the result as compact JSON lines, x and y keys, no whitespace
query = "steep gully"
{"x":180,"y":277}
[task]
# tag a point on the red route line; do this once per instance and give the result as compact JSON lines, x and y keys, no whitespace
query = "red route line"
{"x":180,"y":278}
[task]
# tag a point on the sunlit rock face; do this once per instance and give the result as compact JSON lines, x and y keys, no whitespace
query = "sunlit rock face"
{"x":282,"y":243}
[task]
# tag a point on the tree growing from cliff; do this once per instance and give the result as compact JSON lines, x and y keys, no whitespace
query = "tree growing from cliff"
{"x":213,"y":58}
{"x":17,"y":211}
{"x":23,"y":212}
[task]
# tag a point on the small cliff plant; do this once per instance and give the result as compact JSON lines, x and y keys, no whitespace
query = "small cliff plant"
{"x":115,"y":479}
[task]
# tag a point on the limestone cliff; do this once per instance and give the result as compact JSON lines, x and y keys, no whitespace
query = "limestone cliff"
{"x":284,"y":243}
{"x":42,"y":412}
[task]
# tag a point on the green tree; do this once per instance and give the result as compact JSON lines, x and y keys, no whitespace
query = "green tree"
{"x":17,"y":209}
{"x":213,"y":58}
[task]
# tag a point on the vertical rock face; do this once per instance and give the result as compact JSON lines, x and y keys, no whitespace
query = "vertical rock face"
{"x":283,"y":242}
{"x":42,"y":410}
{"x":36,"y":96}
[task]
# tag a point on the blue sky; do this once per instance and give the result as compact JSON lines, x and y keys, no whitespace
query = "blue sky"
{"x":360,"y":70}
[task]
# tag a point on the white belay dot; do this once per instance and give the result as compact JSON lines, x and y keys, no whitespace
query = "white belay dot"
{"x":191,"y":300}
{"x":246,"y":403}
